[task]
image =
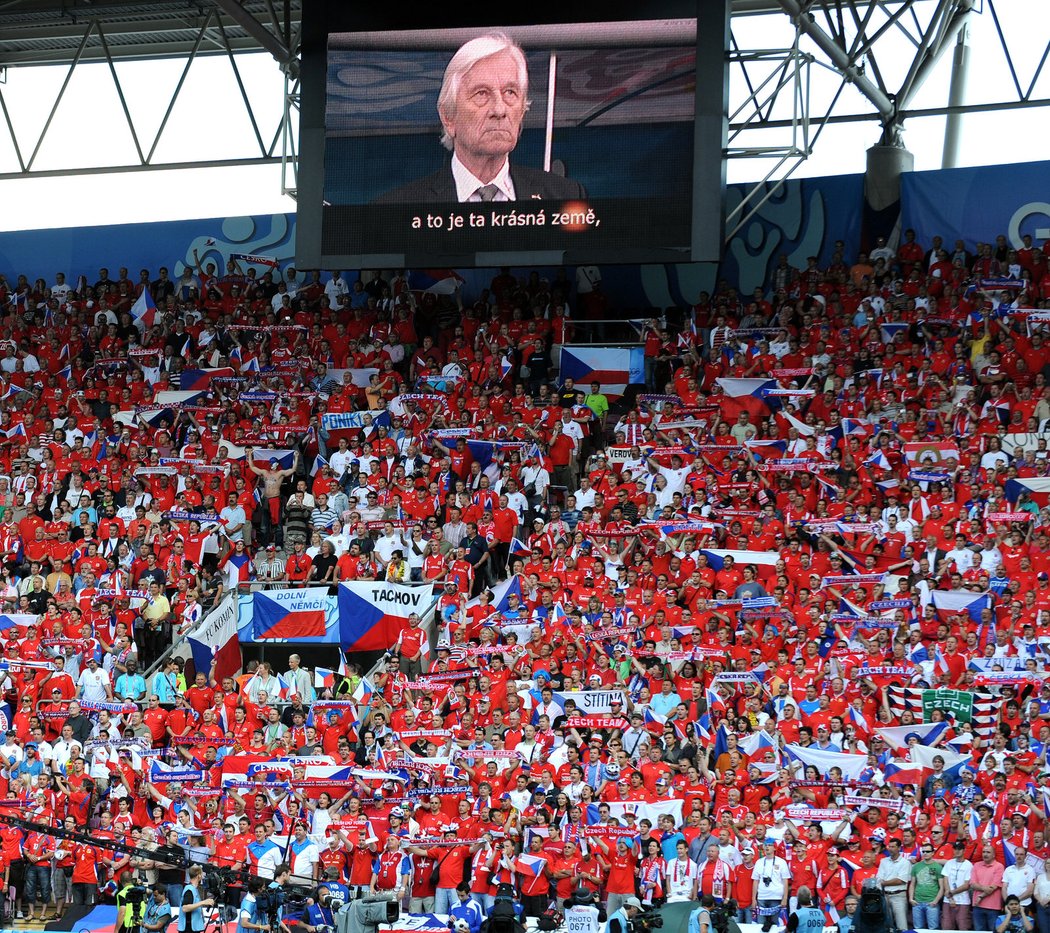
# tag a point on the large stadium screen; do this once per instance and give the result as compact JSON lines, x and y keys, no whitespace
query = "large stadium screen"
{"x":571,"y":142}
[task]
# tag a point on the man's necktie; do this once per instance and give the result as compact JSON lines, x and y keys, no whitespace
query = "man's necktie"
{"x":487,"y":192}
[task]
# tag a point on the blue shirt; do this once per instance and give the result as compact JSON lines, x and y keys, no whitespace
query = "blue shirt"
{"x":130,"y":685}
{"x":664,"y":705}
{"x":469,"y":910}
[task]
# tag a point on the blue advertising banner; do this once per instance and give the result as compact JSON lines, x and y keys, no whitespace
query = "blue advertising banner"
{"x":978,"y":204}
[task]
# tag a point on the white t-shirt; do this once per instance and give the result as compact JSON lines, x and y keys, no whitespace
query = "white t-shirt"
{"x":680,"y":877}
{"x":93,"y":683}
{"x":771,"y":876}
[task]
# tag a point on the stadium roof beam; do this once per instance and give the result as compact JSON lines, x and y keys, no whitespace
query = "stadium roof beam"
{"x":48,"y":32}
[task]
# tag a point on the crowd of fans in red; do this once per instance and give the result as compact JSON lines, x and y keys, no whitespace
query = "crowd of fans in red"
{"x":684,"y":556}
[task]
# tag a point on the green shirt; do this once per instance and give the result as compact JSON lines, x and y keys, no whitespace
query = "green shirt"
{"x":598,"y":403}
{"x":927,"y":877}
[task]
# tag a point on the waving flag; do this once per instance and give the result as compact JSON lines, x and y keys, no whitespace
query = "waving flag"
{"x":614,"y":367}
{"x":851,"y":766}
{"x":928,"y":733}
{"x":435,"y":281}
{"x":850,"y":427}
{"x":324,"y":677}
{"x":532,"y":865}
{"x":262,"y":456}
{"x":898,"y":771}
{"x":746,"y":395}
{"x":859,"y":722}
{"x":289,"y":613}
{"x":804,"y":430}
{"x":764,"y":560}
{"x":519,"y":548}
{"x":363,"y":694}
{"x":954,"y":762}
{"x":762,"y":449}
{"x":949,"y":603}
{"x":654,"y":721}
{"x":755,"y":743}
{"x":1036,"y":487}
{"x":889,"y":331}
{"x":198,"y":380}
{"x":216,"y":638}
{"x":879,"y":460}
{"x":144,"y":311}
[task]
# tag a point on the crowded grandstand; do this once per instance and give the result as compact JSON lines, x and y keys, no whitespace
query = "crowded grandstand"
{"x":774,"y":621}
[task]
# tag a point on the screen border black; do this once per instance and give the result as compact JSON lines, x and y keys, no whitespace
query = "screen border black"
{"x":321,"y":17}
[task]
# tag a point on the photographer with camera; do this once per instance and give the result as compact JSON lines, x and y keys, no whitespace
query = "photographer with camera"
{"x":191,"y":916}
{"x":273,"y":899}
{"x":620,"y":919}
{"x":319,"y":916}
{"x":131,"y":904}
{"x":249,"y":916}
{"x":158,"y":910}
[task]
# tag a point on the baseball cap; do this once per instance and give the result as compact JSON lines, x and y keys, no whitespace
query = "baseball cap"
{"x":633,"y":902}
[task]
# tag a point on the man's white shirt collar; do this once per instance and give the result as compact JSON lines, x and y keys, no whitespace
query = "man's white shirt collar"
{"x":467,"y":184}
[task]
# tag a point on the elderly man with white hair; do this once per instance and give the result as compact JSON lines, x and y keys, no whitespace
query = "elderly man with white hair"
{"x":482,"y":105}
{"x":299,"y":679}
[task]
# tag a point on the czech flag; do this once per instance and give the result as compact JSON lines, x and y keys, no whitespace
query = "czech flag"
{"x":324,"y":677}
{"x":531,"y":865}
{"x":889,"y":331}
{"x":746,"y":395}
{"x":763,"y":449}
{"x":144,"y":310}
{"x":654,"y":722}
{"x":1036,"y":486}
{"x":950,"y":603}
{"x":954,"y":762}
{"x":764,"y":561}
{"x":850,"y":427}
{"x":928,"y":733}
{"x":903,"y":772}
{"x":435,"y":281}
{"x":216,"y":638}
{"x":263,"y":456}
{"x":879,"y":460}
{"x":372,"y":614}
{"x":289,"y":613}
{"x":363,"y":694}
{"x":860,"y":723}
{"x":614,"y":367}
{"x":198,"y":380}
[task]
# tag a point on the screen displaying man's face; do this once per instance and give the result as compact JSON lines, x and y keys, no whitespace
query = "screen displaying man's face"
{"x":489,"y":106}
{"x":570,"y":138}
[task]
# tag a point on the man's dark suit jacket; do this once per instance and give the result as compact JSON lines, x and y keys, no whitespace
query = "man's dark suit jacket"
{"x":529,"y":184}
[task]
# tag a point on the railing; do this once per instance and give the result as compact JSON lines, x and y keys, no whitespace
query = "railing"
{"x":606,"y":331}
